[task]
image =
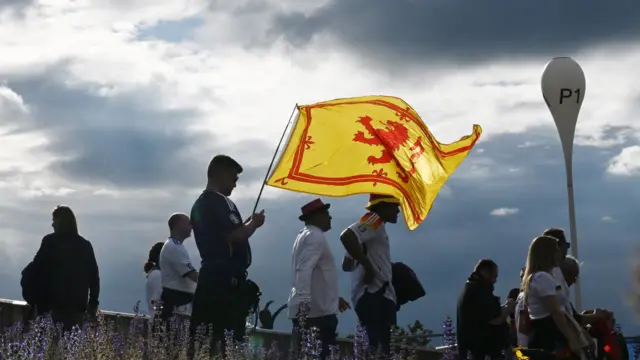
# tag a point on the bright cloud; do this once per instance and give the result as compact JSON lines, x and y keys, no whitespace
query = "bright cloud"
{"x":505,"y":211}
{"x":627,"y":163}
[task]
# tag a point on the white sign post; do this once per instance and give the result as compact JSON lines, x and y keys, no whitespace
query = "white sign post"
{"x":563,"y":89}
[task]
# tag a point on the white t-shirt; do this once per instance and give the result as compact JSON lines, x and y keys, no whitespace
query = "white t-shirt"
{"x":542,"y":285}
{"x":154,"y":290}
{"x":175,"y":264}
{"x":314,"y":275}
{"x":523,"y":340}
{"x":371,"y":232}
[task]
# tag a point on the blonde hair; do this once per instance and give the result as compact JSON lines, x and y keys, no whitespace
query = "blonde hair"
{"x":542,"y":256}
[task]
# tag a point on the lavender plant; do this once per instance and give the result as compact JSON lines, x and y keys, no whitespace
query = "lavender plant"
{"x":449,"y":335}
{"x":106,"y":339}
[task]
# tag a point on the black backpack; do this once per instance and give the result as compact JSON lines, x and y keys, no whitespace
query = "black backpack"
{"x":252,"y":294}
{"x":406,"y":284}
{"x":29,"y":284}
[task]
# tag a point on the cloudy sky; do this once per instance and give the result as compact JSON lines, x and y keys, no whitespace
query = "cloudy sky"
{"x":115,"y":108}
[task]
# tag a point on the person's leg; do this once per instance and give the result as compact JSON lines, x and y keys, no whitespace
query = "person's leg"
{"x":327,"y":327}
{"x":241,"y":313}
{"x":388,"y":314}
{"x":202,"y":318}
{"x":366,"y":309}
{"x":296,"y":339}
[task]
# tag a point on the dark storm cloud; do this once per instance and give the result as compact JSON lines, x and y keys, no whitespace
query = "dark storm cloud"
{"x":116,"y":140}
{"x":465,"y":31}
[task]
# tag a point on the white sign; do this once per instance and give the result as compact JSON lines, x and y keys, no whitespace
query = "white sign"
{"x":563,"y":89}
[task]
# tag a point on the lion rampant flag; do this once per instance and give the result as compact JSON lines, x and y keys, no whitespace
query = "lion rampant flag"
{"x":364,"y":145}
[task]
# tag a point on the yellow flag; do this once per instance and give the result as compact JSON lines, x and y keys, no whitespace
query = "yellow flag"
{"x":369,"y":145}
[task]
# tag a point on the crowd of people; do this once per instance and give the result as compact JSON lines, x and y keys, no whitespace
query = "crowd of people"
{"x":219,"y":296}
{"x":63,"y":278}
{"x":538,"y":318}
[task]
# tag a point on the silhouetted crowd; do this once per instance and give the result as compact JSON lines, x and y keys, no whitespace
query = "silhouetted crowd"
{"x":537,"y":318}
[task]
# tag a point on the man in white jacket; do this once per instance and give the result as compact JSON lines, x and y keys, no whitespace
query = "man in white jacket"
{"x":314,"y":298}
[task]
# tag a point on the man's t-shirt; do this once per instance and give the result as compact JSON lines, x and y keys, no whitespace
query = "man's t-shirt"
{"x":371,"y":233}
{"x":175,"y":265}
{"x":213,"y":217}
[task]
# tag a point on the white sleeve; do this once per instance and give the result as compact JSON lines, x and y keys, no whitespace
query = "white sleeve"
{"x":308,"y":256}
{"x":543,"y":284}
{"x":519,"y":303}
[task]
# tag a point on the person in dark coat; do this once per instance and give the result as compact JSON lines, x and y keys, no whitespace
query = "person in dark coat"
{"x":65,"y":267}
{"x":481,"y":320}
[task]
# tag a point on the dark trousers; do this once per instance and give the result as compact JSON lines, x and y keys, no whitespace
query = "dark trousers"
{"x":546,"y":336}
{"x":68,"y":318}
{"x":217,"y":310}
{"x":377,"y":314}
{"x":327,"y":327}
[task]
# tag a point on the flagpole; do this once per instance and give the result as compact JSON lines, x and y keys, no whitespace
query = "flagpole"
{"x":273,"y":160}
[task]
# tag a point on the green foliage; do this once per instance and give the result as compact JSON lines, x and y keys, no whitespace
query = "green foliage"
{"x":418,"y":333}
{"x":419,"y":336}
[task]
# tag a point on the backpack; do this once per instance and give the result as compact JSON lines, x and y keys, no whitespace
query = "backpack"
{"x":406,"y":284}
{"x":252,"y":294}
{"x":29,"y":284}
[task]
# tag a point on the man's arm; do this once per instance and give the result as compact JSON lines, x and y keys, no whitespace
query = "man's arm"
{"x":352,"y":244}
{"x":348,"y":264}
{"x":307,"y":258}
{"x":94,"y":277}
{"x":225,"y":219}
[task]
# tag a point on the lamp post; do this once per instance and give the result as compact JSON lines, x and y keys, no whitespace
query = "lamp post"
{"x":563,"y":89}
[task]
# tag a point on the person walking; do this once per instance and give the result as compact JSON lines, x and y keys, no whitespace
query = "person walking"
{"x":367,"y":244}
{"x":552,"y":326}
{"x":314,"y":301}
{"x":481,"y":320}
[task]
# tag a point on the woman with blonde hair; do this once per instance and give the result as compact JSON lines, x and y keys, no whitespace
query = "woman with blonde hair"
{"x":550,"y":328}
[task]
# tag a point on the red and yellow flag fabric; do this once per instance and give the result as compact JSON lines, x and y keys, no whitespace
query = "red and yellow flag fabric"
{"x":365,"y":145}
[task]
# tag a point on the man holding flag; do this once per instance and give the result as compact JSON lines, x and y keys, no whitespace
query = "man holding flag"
{"x":370,"y":145}
{"x":367,"y":243}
